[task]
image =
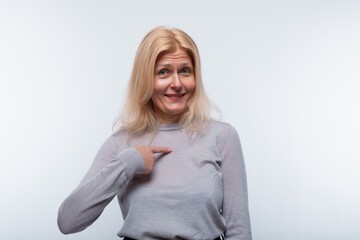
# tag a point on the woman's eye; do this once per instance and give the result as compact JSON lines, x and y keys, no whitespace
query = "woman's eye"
{"x":185,"y":71}
{"x":163,"y":72}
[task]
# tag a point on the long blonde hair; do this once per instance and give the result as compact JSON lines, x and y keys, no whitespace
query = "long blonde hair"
{"x":138,"y":116}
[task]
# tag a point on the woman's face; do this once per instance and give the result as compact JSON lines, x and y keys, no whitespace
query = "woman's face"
{"x":174,"y":85}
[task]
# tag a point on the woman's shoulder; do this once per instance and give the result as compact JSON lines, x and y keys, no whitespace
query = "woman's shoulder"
{"x":220,"y":126}
{"x":220,"y":129}
{"x":225,"y":134}
{"x":116,"y":138}
{"x":119,"y":133}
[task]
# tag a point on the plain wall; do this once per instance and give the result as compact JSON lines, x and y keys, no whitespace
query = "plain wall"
{"x":284,"y":73}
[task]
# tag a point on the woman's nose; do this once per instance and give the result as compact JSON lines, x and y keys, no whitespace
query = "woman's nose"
{"x":176,"y":81}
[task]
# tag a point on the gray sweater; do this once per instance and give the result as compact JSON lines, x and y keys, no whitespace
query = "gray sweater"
{"x":198,"y":191}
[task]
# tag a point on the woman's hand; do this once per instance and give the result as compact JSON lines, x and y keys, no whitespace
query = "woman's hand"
{"x":148,"y":155}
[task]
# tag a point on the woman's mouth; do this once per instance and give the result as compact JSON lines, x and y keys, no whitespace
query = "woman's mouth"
{"x":175,"y":97}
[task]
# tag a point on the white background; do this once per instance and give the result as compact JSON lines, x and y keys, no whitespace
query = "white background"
{"x":285,"y":74}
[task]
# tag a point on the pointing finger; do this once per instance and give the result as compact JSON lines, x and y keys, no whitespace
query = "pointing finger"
{"x":157,"y":149}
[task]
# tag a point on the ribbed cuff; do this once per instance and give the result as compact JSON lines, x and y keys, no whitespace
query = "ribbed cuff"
{"x":132,"y":162}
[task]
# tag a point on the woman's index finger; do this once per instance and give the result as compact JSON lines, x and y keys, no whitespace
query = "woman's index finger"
{"x":160,"y":149}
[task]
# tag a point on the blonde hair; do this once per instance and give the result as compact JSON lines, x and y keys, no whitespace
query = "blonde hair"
{"x":138,"y":114}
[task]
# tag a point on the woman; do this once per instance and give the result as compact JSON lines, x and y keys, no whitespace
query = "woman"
{"x":177,"y":173}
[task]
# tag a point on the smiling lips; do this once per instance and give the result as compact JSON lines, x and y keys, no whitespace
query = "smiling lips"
{"x":175,"y":96}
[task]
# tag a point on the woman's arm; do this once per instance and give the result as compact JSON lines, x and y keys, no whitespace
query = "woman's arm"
{"x":235,"y":205}
{"x":107,"y":176}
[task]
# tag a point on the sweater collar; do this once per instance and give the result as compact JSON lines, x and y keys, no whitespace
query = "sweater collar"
{"x":169,"y":127}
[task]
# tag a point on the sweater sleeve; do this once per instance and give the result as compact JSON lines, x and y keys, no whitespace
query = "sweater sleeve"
{"x":235,"y":205}
{"x":106,"y":178}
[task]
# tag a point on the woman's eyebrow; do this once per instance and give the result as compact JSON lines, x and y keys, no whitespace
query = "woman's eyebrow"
{"x":163,"y":65}
{"x":186,"y":64}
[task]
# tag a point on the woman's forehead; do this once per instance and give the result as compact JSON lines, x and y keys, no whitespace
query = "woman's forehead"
{"x":179,"y":55}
